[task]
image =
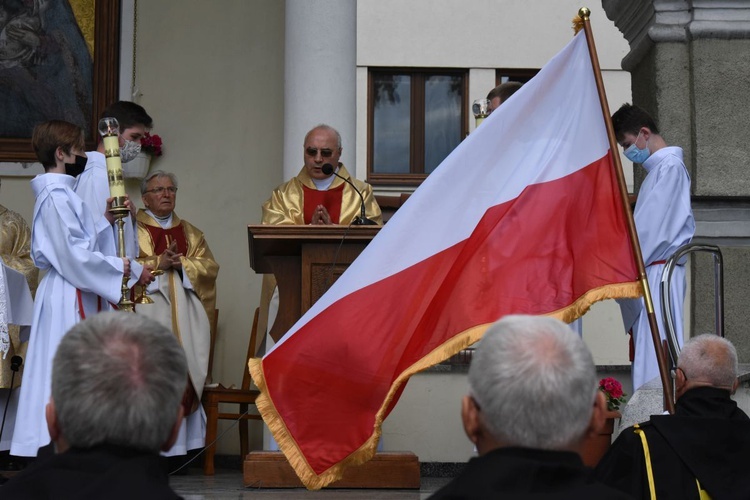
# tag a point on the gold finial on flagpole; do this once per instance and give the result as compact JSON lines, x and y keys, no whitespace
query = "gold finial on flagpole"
{"x":583,"y":15}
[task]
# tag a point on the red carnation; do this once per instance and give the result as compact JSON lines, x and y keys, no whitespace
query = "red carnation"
{"x":151,"y":144}
{"x":612,"y":390}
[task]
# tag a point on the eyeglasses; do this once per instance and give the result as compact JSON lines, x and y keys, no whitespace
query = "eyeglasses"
{"x":160,"y":190}
{"x":325,"y":153}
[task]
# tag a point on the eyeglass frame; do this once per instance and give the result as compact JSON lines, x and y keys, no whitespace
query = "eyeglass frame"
{"x":324,"y":152}
{"x":159,"y":190}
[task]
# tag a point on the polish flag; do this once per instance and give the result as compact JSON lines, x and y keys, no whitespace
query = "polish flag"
{"x":523,"y":217}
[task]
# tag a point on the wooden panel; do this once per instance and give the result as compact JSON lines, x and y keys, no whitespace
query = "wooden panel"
{"x":322,"y":264}
{"x":270,"y":469}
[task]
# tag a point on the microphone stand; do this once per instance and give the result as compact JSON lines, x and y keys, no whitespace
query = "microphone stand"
{"x":15,"y":365}
{"x":362,"y":220}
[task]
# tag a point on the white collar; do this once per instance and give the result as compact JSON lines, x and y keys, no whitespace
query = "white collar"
{"x":164,"y":222}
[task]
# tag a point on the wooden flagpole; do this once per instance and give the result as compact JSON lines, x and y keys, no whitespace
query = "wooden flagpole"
{"x":583,"y":15}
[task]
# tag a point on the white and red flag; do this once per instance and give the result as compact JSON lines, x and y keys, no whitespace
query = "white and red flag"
{"x":523,"y":217}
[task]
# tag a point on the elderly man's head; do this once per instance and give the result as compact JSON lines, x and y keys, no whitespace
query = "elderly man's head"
{"x":533,"y":385}
{"x":117,"y":379}
{"x":706,"y":361}
{"x":159,"y":193}
{"x":322,"y":145}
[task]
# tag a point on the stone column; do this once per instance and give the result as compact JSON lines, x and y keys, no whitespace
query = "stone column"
{"x":320,"y":75}
{"x":690,"y":67}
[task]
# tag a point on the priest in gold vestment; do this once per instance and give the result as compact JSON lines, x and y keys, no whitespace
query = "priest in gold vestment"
{"x":15,"y":252}
{"x":314,"y":197}
{"x":184,"y":296}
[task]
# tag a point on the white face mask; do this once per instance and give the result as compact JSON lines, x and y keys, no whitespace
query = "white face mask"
{"x":129,"y":151}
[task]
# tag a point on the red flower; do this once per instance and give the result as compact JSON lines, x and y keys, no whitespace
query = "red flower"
{"x":612,"y":386}
{"x":151,"y":144}
{"x":612,"y":390}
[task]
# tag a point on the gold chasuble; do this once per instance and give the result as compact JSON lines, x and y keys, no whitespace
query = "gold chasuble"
{"x":289,"y":204}
{"x":15,"y":250}
{"x":184,"y":304}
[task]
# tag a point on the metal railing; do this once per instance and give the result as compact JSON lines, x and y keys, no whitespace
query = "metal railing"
{"x":666,"y":303}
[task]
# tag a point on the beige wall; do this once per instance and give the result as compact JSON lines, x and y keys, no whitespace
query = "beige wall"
{"x":477,"y":33}
{"x":211,"y":76}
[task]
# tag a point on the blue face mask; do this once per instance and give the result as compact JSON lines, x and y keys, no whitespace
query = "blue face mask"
{"x":636,"y":154}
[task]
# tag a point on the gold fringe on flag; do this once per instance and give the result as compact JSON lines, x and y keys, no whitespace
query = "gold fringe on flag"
{"x":581,"y":306}
{"x":577,"y":25}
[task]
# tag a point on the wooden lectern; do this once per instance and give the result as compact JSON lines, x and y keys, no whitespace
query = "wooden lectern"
{"x":306,"y":261}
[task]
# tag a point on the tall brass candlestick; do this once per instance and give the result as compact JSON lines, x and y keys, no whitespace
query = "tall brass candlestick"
{"x":109,"y":129}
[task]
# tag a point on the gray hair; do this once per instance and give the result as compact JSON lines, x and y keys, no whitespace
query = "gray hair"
{"x":323,"y":126}
{"x":709,"y":358}
{"x":118,"y":378}
{"x":159,"y":174}
{"x":534,"y":381}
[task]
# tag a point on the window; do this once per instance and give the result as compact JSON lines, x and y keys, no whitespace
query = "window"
{"x":416,"y":118}
{"x":514,"y":75}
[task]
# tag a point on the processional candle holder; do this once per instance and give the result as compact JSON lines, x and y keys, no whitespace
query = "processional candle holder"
{"x":481,"y":110}
{"x":142,"y":297}
{"x":109,"y":129}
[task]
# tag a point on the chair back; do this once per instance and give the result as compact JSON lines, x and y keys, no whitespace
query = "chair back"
{"x":213,"y":327}
{"x":246,"y":379}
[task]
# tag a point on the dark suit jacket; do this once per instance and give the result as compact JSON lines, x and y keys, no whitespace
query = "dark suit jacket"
{"x":109,"y":472}
{"x":522,"y":473}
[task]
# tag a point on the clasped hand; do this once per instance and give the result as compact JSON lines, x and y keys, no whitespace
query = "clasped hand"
{"x":170,"y":259}
{"x":320,"y":216}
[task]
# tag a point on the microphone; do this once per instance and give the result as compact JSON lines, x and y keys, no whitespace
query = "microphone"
{"x":362,"y":220}
{"x":15,"y":363}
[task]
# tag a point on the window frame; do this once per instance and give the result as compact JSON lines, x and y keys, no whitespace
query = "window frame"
{"x":416,"y":173}
{"x":515,"y":74}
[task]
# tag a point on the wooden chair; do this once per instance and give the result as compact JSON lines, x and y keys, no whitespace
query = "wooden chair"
{"x":214,"y":324}
{"x":244,"y":397}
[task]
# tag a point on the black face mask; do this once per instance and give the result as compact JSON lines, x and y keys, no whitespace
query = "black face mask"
{"x":76,"y":168}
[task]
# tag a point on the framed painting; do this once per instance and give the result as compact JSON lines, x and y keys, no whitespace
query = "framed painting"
{"x":59,"y":59}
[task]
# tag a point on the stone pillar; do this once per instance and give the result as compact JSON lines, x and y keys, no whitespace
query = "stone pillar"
{"x":690,"y":68}
{"x":320,"y":75}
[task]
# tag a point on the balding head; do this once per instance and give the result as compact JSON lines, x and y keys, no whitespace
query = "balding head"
{"x":707,"y":361}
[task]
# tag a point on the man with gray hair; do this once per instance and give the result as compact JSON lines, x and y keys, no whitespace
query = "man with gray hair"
{"x":117,"y":384}
{"x":701,"y":451}
{"x":183,"y":296}
{"x":532,"y":401}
